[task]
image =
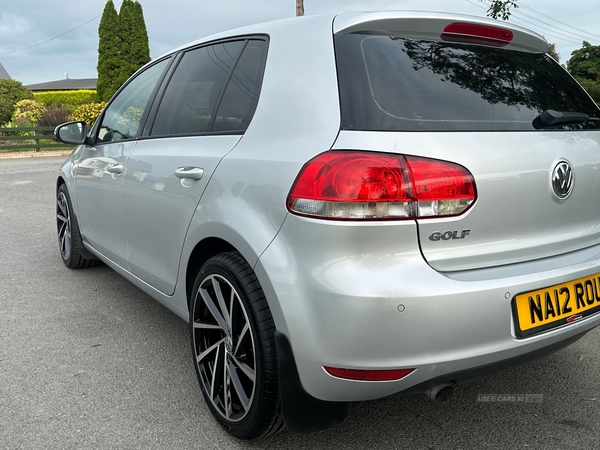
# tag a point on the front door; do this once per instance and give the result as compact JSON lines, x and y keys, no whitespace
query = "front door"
{"x":99,"y":173}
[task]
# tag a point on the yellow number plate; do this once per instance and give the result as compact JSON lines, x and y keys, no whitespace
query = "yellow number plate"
{"x":557,"y":305}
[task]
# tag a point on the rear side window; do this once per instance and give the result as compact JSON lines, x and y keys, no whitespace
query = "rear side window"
{"x":225,"y":78}
{"x":389,"y":83}
{"x":241,"y":96}
{"x":194,"y":89}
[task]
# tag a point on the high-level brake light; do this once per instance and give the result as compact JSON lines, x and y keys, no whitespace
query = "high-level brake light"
{"x":376,"y":186}
{"x":471,"y":33}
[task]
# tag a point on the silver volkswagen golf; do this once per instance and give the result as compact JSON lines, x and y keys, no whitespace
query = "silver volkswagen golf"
{"x":346,"y":207}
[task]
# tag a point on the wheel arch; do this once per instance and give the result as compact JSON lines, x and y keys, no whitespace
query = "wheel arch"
{"x":202,"y":252}
{"x":59,"y":182}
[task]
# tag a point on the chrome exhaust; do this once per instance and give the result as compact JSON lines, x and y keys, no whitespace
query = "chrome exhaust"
{"x":440,"y":393}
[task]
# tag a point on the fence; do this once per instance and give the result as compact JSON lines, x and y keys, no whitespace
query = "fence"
{"x":23,"y":138}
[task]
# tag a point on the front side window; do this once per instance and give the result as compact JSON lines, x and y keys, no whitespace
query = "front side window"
{"x":122,"y":118}
{"x":388,"y":83}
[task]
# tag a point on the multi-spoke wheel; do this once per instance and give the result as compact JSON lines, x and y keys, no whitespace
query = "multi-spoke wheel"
{"x":69,"y":239}
{"x":233,"y":348}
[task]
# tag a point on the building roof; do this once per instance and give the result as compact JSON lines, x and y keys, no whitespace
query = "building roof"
{"x":3,"y":73}
{"x":67,"y":84}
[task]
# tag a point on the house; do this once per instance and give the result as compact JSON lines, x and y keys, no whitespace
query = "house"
{"x":3,"y":73}
{"x":67,"y":84}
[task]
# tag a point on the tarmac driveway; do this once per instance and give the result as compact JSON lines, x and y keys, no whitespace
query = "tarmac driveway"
{"x":87,"y":361}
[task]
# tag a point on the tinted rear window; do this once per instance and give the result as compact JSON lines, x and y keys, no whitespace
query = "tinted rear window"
{"x":190,"y":98}
{"x":241,"y":96}
{"x":389,"y":83}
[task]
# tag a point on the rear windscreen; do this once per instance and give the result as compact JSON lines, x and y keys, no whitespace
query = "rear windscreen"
{"x":389,"y":83}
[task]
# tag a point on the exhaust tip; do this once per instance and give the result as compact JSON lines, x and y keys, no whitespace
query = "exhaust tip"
{"x":440,"y":393}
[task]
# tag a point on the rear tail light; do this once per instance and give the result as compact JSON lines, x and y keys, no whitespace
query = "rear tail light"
{"x":368,"y":375}
{"x":471,"y":33}
{"x":360,"y":185}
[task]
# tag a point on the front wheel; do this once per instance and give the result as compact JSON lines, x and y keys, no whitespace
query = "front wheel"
{"x":233,"y":348}
{"x":71,"y":248}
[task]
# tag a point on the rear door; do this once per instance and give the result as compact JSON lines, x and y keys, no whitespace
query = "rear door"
{"x":205,"y":109}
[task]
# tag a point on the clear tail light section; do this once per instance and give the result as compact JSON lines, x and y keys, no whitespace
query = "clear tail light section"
{"x":351,"y":185}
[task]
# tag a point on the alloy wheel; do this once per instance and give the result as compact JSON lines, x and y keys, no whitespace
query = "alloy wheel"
{"x":224,"y":348}
{"x":63,"y":220}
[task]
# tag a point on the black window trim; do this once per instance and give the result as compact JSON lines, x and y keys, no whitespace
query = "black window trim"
{"x":156,"y":101}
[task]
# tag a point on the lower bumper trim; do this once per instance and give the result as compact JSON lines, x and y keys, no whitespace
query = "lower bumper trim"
{"x":481,"y":372}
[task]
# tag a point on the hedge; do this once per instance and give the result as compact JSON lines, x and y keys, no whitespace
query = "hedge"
{"x":69,"y":99}
{"x":88,"y":113}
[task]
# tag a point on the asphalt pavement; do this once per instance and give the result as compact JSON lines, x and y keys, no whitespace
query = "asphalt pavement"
{"x":88,"y":361}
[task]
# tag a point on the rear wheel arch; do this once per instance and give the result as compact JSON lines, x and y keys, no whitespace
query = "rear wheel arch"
{"x":203,"y":251}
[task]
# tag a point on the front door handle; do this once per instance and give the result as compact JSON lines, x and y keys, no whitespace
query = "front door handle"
{"x":193,"y":173}
{"x":114,"y":168}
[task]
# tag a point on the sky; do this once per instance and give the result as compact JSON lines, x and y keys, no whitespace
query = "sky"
{"x":41,"y":41}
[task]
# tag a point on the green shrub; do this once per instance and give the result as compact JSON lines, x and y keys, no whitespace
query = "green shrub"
{"x":592,"y":87}
{"x":21,"y":122}
{"x":28,"y":109}
{"x":88,"y":113}
{"x":11,"y":91}
{"x":53,"y":116}
{"x":69,"y":100}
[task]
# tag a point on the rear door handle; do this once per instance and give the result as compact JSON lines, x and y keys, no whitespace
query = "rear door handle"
{"x":193,"y":173}
{"x":114,"y":168}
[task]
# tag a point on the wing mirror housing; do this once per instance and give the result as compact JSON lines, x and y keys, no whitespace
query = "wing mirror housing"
{"x":72,"y":133}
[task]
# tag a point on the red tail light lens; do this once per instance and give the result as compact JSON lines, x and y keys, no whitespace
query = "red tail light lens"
{"x":441,"y":188}
{"x":471,"y":33}
{"x":368,"y":375}
{"x":361,"y":185}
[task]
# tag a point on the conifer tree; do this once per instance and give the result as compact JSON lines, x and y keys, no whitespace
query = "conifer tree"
{"x":126,"y":27}
{"x":140,"y":49}
{"x":123,"y":47}
{"x":109,"y":53}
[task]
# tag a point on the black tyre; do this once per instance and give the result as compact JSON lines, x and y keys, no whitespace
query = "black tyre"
{"x":233,"y":348}
{"x":71,"y":248}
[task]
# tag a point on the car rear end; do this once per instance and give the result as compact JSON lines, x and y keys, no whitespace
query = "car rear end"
{"x":452,"y":231}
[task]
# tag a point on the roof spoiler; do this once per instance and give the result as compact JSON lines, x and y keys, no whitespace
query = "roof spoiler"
{"x":434,"y":26}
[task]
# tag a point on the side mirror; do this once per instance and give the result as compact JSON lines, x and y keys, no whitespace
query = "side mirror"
{"x":71,"y":133}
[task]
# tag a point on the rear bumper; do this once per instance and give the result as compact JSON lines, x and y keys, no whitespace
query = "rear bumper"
{"x":362,"y":297}
{"x":306,"y":414}
{"x":481,"y":372}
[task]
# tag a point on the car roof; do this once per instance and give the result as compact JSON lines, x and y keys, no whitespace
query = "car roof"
{"x":410,"y":24}
{"x":268,"y":28}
